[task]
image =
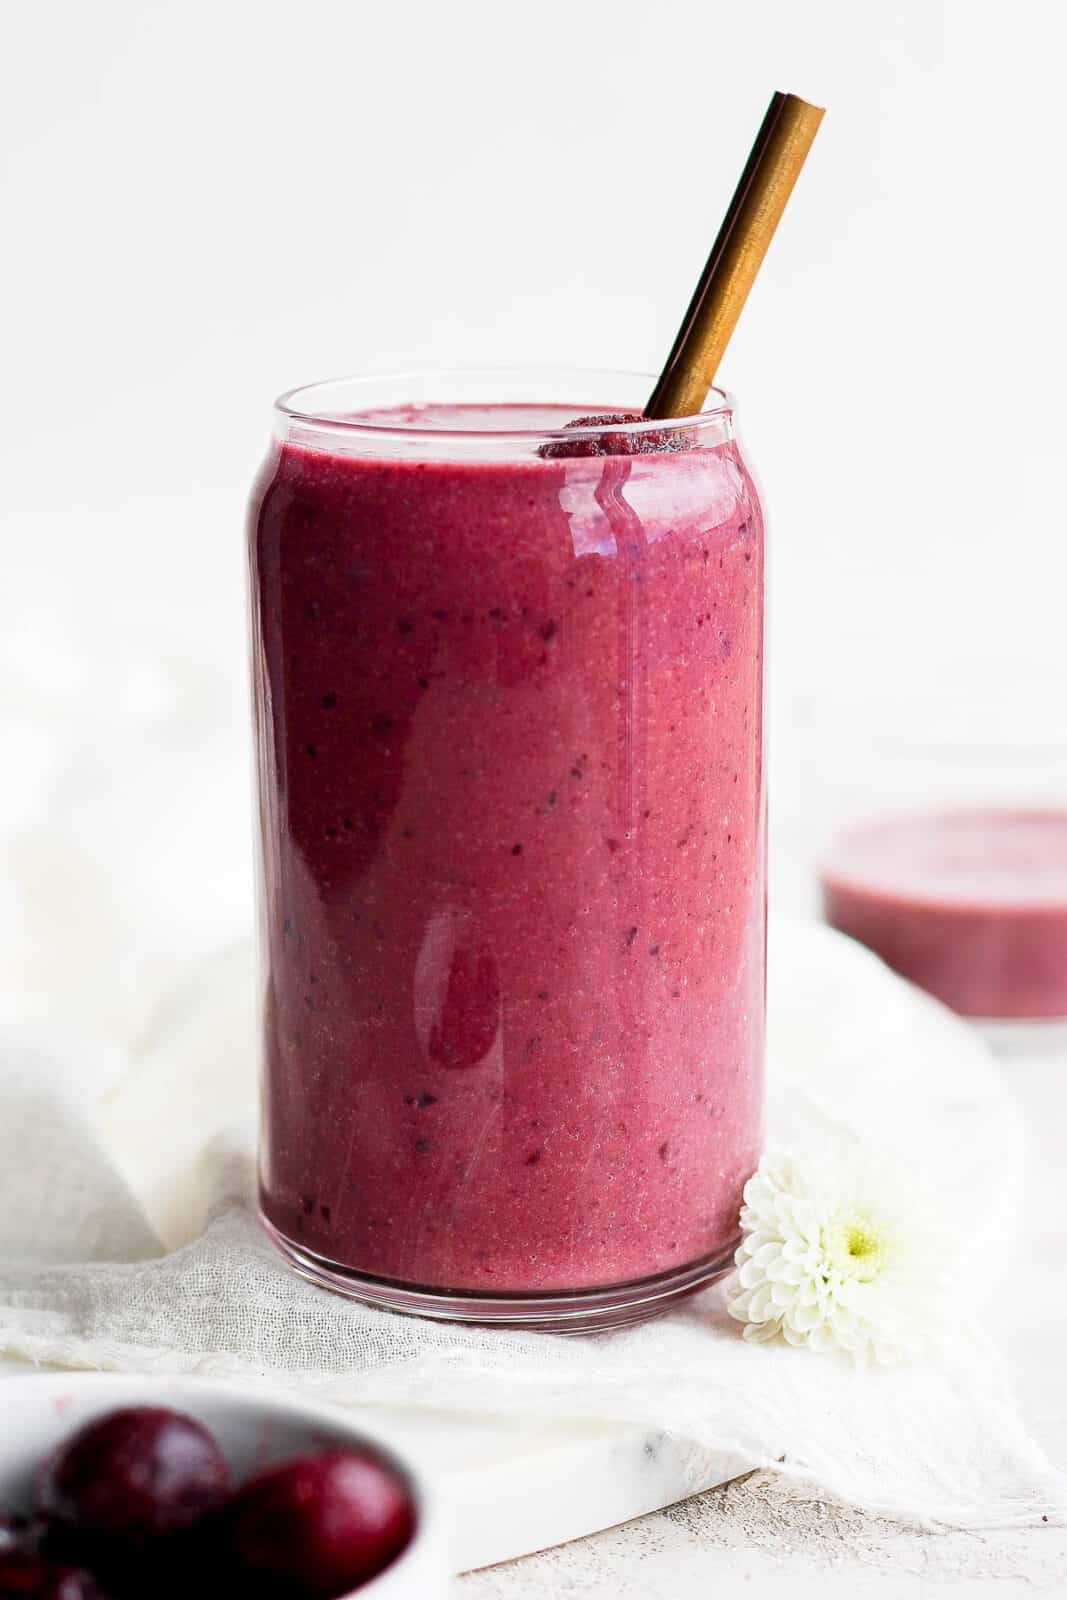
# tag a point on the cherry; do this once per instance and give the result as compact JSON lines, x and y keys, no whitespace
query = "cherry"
{"x":28,"y":1576}
{"x":318,"y":1526}
{"x":15,"y":1533}
{"x":126,"y":1490}
{"x":654,"y":442}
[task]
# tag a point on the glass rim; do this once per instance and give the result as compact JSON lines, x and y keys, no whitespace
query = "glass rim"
{"x":293,"y":407}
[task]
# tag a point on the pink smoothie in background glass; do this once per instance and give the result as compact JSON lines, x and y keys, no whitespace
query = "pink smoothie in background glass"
{"x":970,"y":905}
{"x":509,"y":727}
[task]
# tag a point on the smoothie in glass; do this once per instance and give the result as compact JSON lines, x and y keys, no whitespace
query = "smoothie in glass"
{"x":508,"y":689}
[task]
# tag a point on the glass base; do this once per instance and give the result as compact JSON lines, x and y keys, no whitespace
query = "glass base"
{"x":568,"y":1311}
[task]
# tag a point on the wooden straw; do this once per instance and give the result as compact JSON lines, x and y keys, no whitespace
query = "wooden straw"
{"x":755,"y":211}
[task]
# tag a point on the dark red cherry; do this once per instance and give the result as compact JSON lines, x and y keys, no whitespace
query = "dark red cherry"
{"x":16,"y":1533}
{"x":318,"y":1526}
{"x":128,"y":1488}
{"x":25,"y":1575}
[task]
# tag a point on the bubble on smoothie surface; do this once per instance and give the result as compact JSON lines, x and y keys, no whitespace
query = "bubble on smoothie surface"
{"x":654,"y":441}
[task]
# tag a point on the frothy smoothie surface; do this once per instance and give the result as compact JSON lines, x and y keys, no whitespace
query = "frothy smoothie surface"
{"x":972,"y":906}
{"x":492,"y":419}
{"x":510,"y":770}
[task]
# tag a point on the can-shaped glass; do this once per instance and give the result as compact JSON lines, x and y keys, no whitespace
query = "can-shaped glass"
{"x":509,"y":726}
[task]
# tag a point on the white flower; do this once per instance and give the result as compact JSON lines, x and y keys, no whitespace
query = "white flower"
{"x":837,"y":1251}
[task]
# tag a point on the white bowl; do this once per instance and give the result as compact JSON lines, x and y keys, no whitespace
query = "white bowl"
{"x":253,"y":1430}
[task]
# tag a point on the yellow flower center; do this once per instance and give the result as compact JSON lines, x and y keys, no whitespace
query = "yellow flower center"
{"x":857,"y":1248}
{"x":861,"y":1242}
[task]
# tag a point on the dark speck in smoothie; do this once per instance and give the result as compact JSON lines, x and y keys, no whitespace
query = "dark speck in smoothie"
{"x":440,"y":616}
{"x":311,"y":750}
{"x":328,"y":702}
{"x":664,"y":1150}
{"x":404,"y":627}
{"x":612,"y":844}
{"x":381,"y":725}
{"x":287,"y":926}
{"x":495,"y":614}
{"x":553,"y":796}
{"x":534,"y":1157}
{"x":549,"y":630}
{"x":408,"y":833}
{"x":532,"y":1042}
{"x":576,"y":772}
{"x":631,"y":935}
{"x":653,"y":949}
{"x":307,"y":1204}
{"x":348,"y":824}
{"x":325,"y":1213}
{"x":422,"y":1099}
{"x":542,"y":994}
{"x":421,"y":1146}
{"x":516,"y":849}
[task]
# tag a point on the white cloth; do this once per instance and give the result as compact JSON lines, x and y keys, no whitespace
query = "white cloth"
{"x":91,"y":1174}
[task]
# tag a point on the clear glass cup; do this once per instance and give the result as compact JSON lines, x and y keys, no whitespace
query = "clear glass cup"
{"x":508,"y":697}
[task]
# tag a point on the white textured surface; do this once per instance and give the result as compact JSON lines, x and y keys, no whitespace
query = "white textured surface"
{"x":770,"y":1541}
{"x":547,"y":1438}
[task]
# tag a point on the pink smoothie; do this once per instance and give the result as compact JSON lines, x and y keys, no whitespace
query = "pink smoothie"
{"x":510,"y":777}
{"x":972,"y":906}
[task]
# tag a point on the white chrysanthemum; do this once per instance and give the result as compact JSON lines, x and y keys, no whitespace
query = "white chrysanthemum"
{"x":837,"y":1252}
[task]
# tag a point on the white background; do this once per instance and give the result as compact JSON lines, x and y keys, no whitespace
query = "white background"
{"x":207,"y":201}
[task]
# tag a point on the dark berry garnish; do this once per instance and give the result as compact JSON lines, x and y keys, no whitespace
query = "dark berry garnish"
{"x":653,"y":442}
{"x":317,"y":1527}
{"x":126,"y":1488}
